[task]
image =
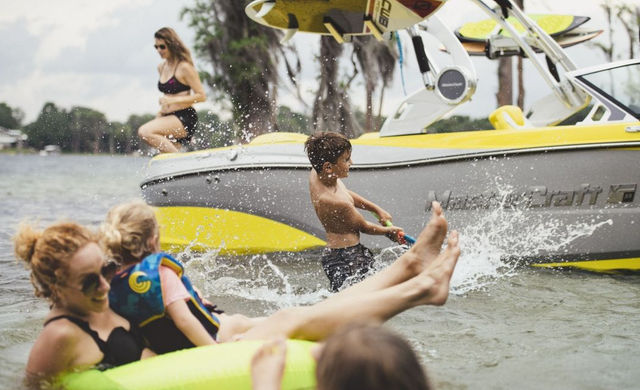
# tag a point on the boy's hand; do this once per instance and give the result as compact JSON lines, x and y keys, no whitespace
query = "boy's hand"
{"x":383,"y":217}
{"x":396,"y":234}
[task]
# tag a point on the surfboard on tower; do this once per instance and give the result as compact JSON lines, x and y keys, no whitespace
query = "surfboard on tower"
{"x":552,"y":24}
{"x":571,"y":38}
{"x":341,"y":18}
{"x":566,"y":30}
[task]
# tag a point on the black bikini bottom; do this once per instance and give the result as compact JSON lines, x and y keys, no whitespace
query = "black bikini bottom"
{"x":189,"y":119}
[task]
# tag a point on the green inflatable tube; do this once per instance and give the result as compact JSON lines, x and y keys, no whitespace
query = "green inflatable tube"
{"x":222,"y":366}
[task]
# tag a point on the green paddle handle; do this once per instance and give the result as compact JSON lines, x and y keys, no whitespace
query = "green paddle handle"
{"x":406,"y":237}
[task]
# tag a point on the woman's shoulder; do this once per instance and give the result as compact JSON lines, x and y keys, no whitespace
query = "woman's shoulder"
{"x":184,"y":67}
{"x":60,"y":332}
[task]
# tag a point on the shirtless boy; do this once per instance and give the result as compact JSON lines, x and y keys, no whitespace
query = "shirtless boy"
{"x":335,"y":205}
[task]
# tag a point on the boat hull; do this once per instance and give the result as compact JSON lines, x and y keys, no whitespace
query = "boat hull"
{"x":563,"y":205}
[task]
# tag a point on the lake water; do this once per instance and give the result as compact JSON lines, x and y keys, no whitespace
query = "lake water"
{"x":503,"y":327}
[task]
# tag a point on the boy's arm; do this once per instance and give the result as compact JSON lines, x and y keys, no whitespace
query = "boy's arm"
{"x":365,"y":204}
{"x":351,"y":217}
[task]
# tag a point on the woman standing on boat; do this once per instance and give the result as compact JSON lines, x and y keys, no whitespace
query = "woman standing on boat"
{"x":179,"y":82}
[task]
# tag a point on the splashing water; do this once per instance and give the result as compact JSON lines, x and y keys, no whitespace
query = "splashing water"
{"x":255,"y":278}
{"x":492,"y":247}
{"x":492,"y":244}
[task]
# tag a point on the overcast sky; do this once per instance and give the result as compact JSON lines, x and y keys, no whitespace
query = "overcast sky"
{"x":99,"y":54}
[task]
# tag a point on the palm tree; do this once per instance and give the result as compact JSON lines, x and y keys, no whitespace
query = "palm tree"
{"x":331,"y":108}
{"x":244,"y":56}
{"x":377,"y":62}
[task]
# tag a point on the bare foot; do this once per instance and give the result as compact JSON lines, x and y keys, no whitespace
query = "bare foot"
{"x":429,"y":242}
{"x":267,"y":365}
{"x":437,"y":273}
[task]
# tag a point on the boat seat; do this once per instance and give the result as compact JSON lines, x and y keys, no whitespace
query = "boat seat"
{"x":508,"y":117}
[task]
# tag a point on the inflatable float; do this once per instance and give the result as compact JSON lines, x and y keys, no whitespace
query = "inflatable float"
{"x":222,"y":366}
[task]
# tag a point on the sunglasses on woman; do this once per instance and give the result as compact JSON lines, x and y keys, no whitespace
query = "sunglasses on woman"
{"x":91,"y":282}
{"x":160,"y":47}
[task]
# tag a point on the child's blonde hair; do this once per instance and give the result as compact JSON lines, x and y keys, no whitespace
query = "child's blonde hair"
{"x":127,"y":231}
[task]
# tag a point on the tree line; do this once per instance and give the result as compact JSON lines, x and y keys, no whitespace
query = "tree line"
{"x":85,"y":130}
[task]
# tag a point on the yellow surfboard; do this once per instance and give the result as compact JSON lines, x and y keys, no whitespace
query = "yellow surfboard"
{"x":574,"y":37}
{"x":341,"y":18}
{"x":552,"y":24}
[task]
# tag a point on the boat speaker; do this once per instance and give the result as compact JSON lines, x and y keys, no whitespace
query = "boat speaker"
{"x":454,"y":86}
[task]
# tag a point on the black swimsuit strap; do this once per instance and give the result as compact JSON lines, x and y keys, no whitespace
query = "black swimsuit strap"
{"x":174,"y":72}
{"x":84,"y":325}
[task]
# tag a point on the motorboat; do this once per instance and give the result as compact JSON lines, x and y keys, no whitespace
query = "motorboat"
{"x":545,"y":194}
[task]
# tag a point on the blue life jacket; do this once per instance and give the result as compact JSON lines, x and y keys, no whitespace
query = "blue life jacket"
{"x":136,"y":294}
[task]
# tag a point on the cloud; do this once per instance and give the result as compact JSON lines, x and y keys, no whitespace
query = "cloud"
{"x":64,"y":24}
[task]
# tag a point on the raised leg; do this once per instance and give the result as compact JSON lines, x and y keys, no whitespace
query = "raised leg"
{"x":157,"y":131}
{"x":429,"y":287}
{"x":410,"y":263}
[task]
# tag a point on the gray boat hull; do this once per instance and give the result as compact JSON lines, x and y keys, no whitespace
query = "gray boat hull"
{"x":562,"y":204}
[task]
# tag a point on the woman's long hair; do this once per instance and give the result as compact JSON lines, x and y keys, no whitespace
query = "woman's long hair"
{"x":175,"y":45}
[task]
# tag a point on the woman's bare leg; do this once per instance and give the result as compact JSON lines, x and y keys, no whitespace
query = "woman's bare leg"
{"x":425,"y":251}
{"x":157,"y":131}
{"x":410,"y":263}
{"x":233,"y":325}
{"x":429,"y":287}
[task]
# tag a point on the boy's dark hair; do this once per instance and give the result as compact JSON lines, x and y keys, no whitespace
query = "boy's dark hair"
{"x":362,"y":356}
{"x":325,"y":146}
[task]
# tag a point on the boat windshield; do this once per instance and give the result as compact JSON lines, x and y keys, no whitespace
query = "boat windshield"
{"x":620,"y":84}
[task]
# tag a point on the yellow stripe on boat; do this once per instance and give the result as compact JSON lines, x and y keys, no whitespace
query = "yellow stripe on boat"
{"x":204,"y":229}
{"x":507,"y":139}
{"x":631,"y":264}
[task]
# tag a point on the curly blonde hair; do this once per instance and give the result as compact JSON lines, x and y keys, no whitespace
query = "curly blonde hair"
{"x":47,"y":253}
{"x":127,"y":230}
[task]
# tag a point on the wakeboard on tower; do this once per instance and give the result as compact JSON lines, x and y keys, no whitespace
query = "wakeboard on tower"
{"x":341,"y":18}
{"x":566,"y":30}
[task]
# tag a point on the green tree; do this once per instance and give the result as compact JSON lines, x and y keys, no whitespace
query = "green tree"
{"x":459,"y":123}
{"x":10,"y":118}
{"x":212,"y":132}
{"x":293,"y":122}
{"x":245,"y":57}
{"x":50,"y":128}
{"x":86,"y":130}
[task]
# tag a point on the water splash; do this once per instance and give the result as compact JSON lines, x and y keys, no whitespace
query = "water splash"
{"x":257,"y":278}
{"x":492,"y":244}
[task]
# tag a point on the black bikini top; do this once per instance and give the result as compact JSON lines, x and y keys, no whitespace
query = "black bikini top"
{"x":172,"y":86}
{"x":122,"y":347}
